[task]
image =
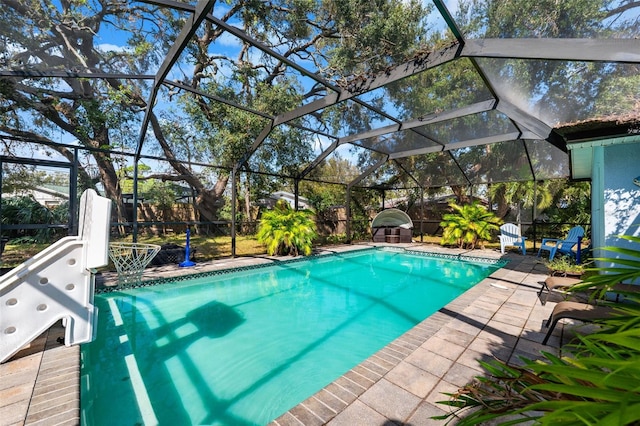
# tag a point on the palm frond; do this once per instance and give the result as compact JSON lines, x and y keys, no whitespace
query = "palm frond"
{"x":597,"y":382}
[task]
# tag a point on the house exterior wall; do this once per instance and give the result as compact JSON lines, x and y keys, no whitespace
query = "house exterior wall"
{"x":616,"y":199}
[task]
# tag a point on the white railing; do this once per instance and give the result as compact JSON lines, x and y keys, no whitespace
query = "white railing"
{"x":57,"y":283}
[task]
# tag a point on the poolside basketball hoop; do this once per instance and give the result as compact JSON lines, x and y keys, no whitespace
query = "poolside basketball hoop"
{"x":130,"y":259}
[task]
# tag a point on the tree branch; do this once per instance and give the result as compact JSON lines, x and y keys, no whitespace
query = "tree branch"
{"x":184,"y":172}
{"x":85,"y":179}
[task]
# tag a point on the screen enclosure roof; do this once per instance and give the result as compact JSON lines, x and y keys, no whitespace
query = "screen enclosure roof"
{"x":465,"y":103}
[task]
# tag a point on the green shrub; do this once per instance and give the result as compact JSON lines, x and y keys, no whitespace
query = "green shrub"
{"x":472,"y":224}
{"x":26,"y":210}
{"x":565,"y":264}
{"x":287,"y":231}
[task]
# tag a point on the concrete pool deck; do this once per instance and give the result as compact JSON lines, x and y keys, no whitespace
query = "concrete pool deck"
{"x":501,"y":317}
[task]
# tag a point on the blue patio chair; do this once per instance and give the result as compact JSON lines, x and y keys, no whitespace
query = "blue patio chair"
{"x":510,"y":236}
{"x":555,"y":245}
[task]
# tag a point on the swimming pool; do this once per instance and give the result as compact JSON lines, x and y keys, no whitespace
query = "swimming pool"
{"x":241,"y":348}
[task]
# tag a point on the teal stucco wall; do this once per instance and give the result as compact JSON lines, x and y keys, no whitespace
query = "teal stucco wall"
{"x":621,"y":195}
{"x":616,"y":199}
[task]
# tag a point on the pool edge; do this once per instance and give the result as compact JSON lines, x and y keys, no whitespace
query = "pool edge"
{"x":354,"y":390}
{"x":22,"y":410}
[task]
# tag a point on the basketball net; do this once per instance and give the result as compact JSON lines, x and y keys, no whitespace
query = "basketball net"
{"x":130,"y":259}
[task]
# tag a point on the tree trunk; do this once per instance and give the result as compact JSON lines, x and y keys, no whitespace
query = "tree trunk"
{"x":460,"y":193}
{"x":207,"y":199}
{"x":112,"y":190}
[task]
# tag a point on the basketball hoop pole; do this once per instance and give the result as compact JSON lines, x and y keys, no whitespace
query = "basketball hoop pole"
{"x":187,"y":255}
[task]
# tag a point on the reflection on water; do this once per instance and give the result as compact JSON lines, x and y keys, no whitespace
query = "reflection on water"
{"x":242,"y":348}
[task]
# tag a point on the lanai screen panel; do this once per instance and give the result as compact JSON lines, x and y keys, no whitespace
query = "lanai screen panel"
{"x":341,"y":166}
{"x":285,"y":151}
{"x":434,"y":170}
{"x":388,"y":176}
{"x":345,"y":119}
{"x":230,"y":76}
{"x":496,"y":162}
{"x":450,"y":86}
{"x":397,"y":142}
{"x":43,"y":40}
{"x":348,"y":71}
{"x":548,"y":162}
{"x":256,"y":72}
{"x":469,"y":128}
{"x":560,"y":92}
{"x":531,"y":19}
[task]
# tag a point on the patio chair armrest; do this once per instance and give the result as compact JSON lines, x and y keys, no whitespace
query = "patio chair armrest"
{"x":551,"y":240}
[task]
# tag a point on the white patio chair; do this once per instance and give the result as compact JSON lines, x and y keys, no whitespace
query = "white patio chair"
{"x":510,"y":236}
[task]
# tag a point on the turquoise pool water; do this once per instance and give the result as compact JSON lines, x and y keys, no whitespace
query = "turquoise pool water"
{"x":242,"y":348}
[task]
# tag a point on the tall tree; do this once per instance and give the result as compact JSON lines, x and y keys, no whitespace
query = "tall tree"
{"x":521,"y":194}
{"x":567,"y":91}
{"x":52,"y":36}
{"x":321,"y":35}
{"x":66,"y":36}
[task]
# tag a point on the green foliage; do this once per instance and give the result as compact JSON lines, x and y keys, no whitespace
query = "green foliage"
{"x":162,"y":194}
{"x":287,"y":231}
{"x":623,"y":265}
{"x":571,"y":203}
{"x":26,"y":210}
{"x":335,"y":239}
{"x":19,"y":178}
{"x":565,"y":264}
{"x":597,"y":382}
{"x":469,"y":225}
{"x":553,"y":83}
{"x":361,"y":200}
{"x":373,"y":34}
{"x":225,"y":133}
{"x":523,"y":194}
{"x":322,"y":195}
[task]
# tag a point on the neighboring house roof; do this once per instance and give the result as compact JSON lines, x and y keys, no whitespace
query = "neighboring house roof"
{"x":303,"y":202}
{"x":47,"y":194}
{"x":183,"y":194}
{"x":55,"y":190}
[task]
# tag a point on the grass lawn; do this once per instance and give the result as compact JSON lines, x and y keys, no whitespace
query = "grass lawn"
{"x":207,"y":247}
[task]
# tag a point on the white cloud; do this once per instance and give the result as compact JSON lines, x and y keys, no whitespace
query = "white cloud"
{"x":108,"y":47}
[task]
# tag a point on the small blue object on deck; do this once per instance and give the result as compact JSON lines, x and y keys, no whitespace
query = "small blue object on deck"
{"x":187,"y":255}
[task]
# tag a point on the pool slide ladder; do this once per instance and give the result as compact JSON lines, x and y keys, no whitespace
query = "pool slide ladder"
{"x":57,"y":283}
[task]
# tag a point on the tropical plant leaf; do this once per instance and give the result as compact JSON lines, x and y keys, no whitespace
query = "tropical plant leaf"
{"x":284,"y":230}
{"x":471,"y":224}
